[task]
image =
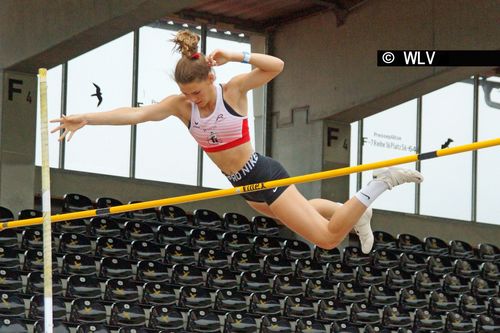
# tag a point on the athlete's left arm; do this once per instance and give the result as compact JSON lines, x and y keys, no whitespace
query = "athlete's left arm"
{"x":266,"y":67}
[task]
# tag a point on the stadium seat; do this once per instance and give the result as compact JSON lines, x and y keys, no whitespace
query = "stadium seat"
{"x":298,"y":307}
{"x":396,"y":279}
{"x":203,"y":238}
{"x":121,"y":290}
{"x":83,"y":287}
{"x":127,"y":314}
{"x":9,"y":258}
{"x":435,"y":246}
{"x":233,"y":241}
{"x":187,"y":275}
{"x":138,"y":231}
{"x":92,"y":328}
{"x":425,"y":321}
{"x":411,"y":299}
{"x":264,"y":304}
{"x":72,"y":226}
{"x":277,"y":265}
{"x":455,"y":285}
{"x":154,"y":293}
{"x":309,"y":325}
{"x":29,"y":214}
{"x":380,"y":296}
{"x":439,"y":265}
{"x":286,"y":285}
{"x":490,"y":271}
{"x":425,"y":282}
{"x":337,"y":272}
{"x":461,"y":249}
{"x":10,"y":325}
{"x":441,"y":303}
{"x":170,"y":234}
{"x":11,"y":305}
{"x":32,"y":239}
{"x":144,"y":250}
{"x":408,"y":242}
{"x":367,"y":276}
{"x":78,"y":264}
{"x":166,"y":318}
{"x":212,"y":258}
{"x":308,"y":269}
{"x":412,"y":262}
{"x":57,"y":327}
{"x":323,"y":256}
{"x":115,"y":268}
{"x":195,"y":298}
{"x":203,"y":321}
{"x":230,"y":301}
{"x":263,"y":225}
{"x":111,"y":247}
{"x":455,"y":323}
{"x":319,"y":289}
{"x":239,"y":323}
{"x":254,"y":282}
{"x":272,"y":323}
{"x":179,"y":254}
{"x":148,"y":214}
{"x":343,"y":328}
{"x":383,"y":240}
{"x":36,"y":309}
{"x":8,"y":238}
{"x":33,"y":260}
{"x":87,"y":311}
{"x":393,"y":318}
{"x":470,"y":307}
{"x":244,"y":262}
{"x":483,"y":289}
{"x":362,"y":313}
{"x":352,"y":256}
{"x":236,"y":222}
{"x":173,"y":214}
{"x":10,"y":281}
{"x":489,"y":252}
{"x":35,"y":286}
{"x":349,"y":292}
{"x":73,"y":202}
{"x":206,"y":218}
{"x":384,"y":259}
{"x":103,"y":226}
{"x":6,"y":214}
{"x":332,"y":310}
{"x":494,"y":307}
{"x":294,"y":249}
{"x":219,"y":278}
{"x":485,"y":324}
{"x":264,"y":246}
{"x":466,"y":269}
{"x":152,"y":271}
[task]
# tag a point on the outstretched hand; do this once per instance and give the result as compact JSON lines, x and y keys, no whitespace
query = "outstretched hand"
{"x":218,"y":57}
{"x":69,"y":125}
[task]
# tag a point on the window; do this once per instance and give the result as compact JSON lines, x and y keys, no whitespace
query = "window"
{"x":447,"y":114}
{"x":101,"y":149}
{"x":488,"y":180}
{"x":391,"y":134}
{"x":54,"y":112}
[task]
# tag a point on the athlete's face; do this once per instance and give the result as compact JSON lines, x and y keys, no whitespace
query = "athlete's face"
{"x":199,"y":92}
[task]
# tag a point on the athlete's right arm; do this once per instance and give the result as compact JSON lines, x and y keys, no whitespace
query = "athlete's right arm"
{"x":120,"y":116}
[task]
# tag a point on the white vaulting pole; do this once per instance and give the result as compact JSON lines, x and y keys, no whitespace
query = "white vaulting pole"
{"x":47,"y":232}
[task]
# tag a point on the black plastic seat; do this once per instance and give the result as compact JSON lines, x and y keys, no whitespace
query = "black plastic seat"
{"x":489,"y":252}
{"x":127,"y":314}
{"x":309,"y":325}
{"x":106,"y":202}
{"x":133,"y":330}
{"x":166,"y":318}
{"x":263,"y":225}
{"x":33,"y":239}
{"x":9,"y":258}
{"x":147,"y":214}
{"x":466,"y":269}
{"x":121,"y":290}
{"x":295,"y":249}
{"x":264,"y":246}
{"x":461,"y":249}
{"x":435,"y":246}
{"x":83,"y":287}
{"x":470,"y":307}
{"x":308,"y":269}
{"x":244,"y":262}
{"x":115,"y":268}
{"x":362,"y":313}
{"x":494,"y":307}
{"x":206,"y":218}
{"x":367,"y":276}
{"x":264,"y":304}
{"x":286,"y":285}
{"x":343,"y":328}
{"x":380,"y":296}
{"x":425,"y":282}
{"x":9,"y":325}
{"x":230,"y":301}
{"x":272,"y":324}
{"x":187,"y":275}
{"x":393,"y":318}
{"x":87,"y":311}
{"x":152,"y":271}
{"x":323,"y":256}
{"x":155,"y":293}
{"x":170,"y":234}
{"x":111,"y":247}
{"x":337,"y":272}
{"x":194,"y":298}
{"x":332,"y":310}
{"x":33,"y":260}
{"x":234,"y":241}
{"x":441,"y":303}
{"x":72,"y":226}
{"x":29,"y":214}
{"x":212,"y":258}
{"x":239,"y":323}
{"x":179,"y":254}
{"x":485,"y":324}
{"x":236,"y":222}
{"x":173,"y":214}
{"x":78,"y":264}
{"x":254,"y":282}
{"x":298,"y":307}
{"x":455,"y":323}
{"x":412,"y":262}
{"x":10,"y":281}
{"x":439,"y":265}
{"x":74,"y":202}
{"x":396,"y":279}
{"x":352,"y":256}
{"x":409,"y":242}
{"x":203,"y":321}
{"x":143,"y":250}
{"x":455,"y":285}
{"x":384,"y":259}
{"x":383,"y":240}
{"x":277,"y":265}
{"x":349,"y":292}
{"x":8,"y":238}
{"x":11,"y":305}
{"x":103,"y":227}
{"x":138,"y":231}
{"x":35,"y":285}
{"x":92,"y":328}
{"x":411,"y":299}
{"x":219,"y":278}
{"x":319,"y":289}
{"x":6,"y":214}
{"x":490,"y":271}
{"x":425,"y":321}
{"x":36,"y":309}
{"x":57,"y":327}
{"x":203,"y":238}
{"x":483,"y":289}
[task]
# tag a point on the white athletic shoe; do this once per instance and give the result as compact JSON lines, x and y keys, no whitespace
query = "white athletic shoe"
{"x":364,"y":231}
{"x":396,"y":176}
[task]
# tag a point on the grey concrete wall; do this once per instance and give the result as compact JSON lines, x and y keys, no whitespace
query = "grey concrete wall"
{"x":46,"y":33}
{"x":334,"y":70}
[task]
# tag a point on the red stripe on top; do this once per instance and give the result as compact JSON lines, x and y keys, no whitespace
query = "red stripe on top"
{"x":245,"y":137}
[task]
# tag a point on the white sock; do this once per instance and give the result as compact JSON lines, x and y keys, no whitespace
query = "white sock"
{"x":371,"y":191}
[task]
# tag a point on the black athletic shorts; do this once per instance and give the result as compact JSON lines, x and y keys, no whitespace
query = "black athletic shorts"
{"x":260,"y":169}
